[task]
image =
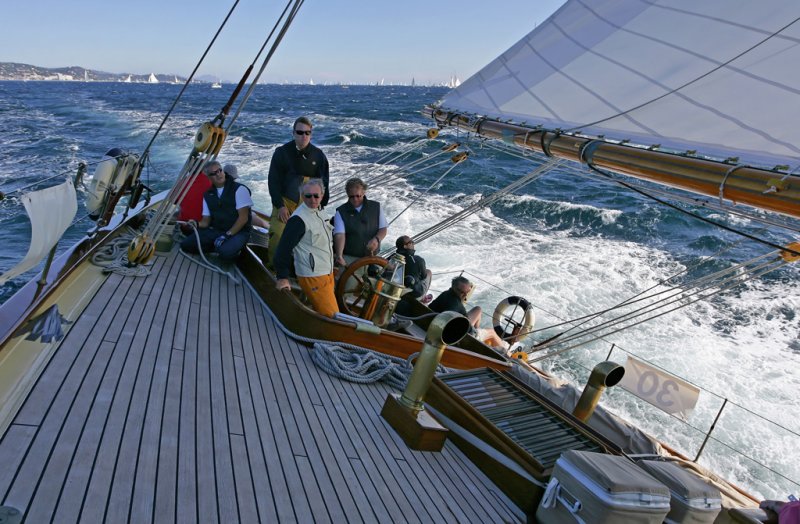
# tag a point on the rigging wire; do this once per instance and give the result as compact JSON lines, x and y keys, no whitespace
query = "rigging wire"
{"x":189,"y":79}
{"x":694,"y":215}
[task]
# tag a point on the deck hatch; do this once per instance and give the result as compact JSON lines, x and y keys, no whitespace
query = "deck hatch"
{"x":532,"y":426}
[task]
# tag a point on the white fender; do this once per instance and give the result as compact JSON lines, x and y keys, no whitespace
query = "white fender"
{"x":108,"y":173}
{"x":505,"y":320}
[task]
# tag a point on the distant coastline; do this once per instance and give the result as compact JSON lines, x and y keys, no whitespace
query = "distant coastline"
{"x":17,"y":71}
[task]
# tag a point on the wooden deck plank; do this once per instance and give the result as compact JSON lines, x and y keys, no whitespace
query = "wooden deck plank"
{"x":13,"y":448}
{"x":245,"y":496}
{"x":186,"y":503}
{"x":62,"y":389}
{"x":221,"y":451}
{"x":48,"y":491}
{"x":130,"y":351}
{"x":170,"y":444}
{"x":266,"y":366}
{"x":144,"y":406}
{"x":214,"y":414}
{"x":262,"y":438}
{"x":437,"y":501}
{"x":393,"y":488}
{"x":327,"y":471}
{"x":263,"y":495}
{"x":167,"y":475}
{"x":159,"y":337}
{"x":327,"y":450}
{"x":207,"y":509}
{"x":186,"y":317}
{"x":230,"y":342}
{"x":96,"y":314}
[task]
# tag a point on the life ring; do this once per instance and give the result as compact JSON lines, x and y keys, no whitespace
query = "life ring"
{"x":505,"y":320}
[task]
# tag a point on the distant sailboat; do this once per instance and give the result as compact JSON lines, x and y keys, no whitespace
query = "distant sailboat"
{"x":152,"y":79}
{"x":128,"y":79}
{"x":311,"y":82}
{"x":216,"y":85}
{"x":454,"y":82}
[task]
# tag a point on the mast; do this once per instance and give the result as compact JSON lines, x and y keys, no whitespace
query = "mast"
{"x":759,"y":188}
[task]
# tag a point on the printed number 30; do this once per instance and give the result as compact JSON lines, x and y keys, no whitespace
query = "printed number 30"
{"x":648,"y":378}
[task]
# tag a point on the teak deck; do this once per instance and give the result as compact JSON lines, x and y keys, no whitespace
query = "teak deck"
{"x":176,"y":397}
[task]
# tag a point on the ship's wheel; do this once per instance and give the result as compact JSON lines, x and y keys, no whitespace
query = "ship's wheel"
{"x":354,"y":288}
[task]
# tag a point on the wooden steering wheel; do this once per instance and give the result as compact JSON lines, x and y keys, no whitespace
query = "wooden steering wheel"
{"x":352,"y":290}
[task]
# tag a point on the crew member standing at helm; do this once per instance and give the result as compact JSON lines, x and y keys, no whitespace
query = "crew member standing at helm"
{"x":358,"y":226}
{"x":293,"y":164}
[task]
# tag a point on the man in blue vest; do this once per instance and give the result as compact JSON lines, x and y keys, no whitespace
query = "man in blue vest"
{"x":225,"y":223}
{"x":358,"y":226}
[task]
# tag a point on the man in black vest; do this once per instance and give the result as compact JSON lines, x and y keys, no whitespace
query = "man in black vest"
{"x":293,"y":164}
{"x":225,"y":223}
{"x":358,"y":226}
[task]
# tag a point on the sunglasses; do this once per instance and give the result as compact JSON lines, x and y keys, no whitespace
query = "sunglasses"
{"x":298,"y":132}
{"x":355,"y":196}
{"x":312,"y":195}
{"x":214,"y":173}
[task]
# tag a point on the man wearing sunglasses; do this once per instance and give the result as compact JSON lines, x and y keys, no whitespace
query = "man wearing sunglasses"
{"x":293,"y":163}
{"x":225,"y":223}
{"x":308,"y":239}
{"x":358,"y":226}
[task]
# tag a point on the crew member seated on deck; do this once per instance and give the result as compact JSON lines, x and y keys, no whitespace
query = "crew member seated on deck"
{"x":308,"y":237}
{"x":358,"y":226}
{"x":454,"y":299}
{"x":225,"y":223}
{"x":417,"y":276}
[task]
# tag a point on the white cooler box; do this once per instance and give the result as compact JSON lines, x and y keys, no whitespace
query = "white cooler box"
{"x":693,"y":500}
{"x":593,"y":488}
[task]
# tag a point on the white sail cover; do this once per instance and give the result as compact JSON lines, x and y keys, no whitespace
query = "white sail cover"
{"x":721,"y":77}
{"x":51,"y":212}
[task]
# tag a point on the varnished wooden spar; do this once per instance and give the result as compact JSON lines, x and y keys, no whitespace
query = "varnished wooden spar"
{"x":743,"y":185}
{"x":308,"y":323}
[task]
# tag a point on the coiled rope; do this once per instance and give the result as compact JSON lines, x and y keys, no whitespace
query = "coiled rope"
{"x":349,"y":368}
{"x":113,"y":257}
{"x":361,"y":366}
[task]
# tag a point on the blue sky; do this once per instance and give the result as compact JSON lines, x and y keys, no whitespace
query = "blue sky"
{"x":331,"y":40}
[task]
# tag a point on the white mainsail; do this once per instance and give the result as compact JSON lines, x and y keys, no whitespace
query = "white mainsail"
{"x":718,"y":77}
{"x":153,"y":79}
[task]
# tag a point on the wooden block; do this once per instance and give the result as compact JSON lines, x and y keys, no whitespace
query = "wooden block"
{"x":421,"y":432}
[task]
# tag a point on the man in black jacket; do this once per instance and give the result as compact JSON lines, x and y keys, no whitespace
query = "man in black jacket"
{"x":417,"y":277}
{"x":293,"y":164}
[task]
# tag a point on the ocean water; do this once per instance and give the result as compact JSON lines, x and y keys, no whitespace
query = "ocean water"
{"x":571,"y":245}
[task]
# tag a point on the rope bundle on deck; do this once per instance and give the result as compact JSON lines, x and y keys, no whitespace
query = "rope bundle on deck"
{"x":361,"y":366}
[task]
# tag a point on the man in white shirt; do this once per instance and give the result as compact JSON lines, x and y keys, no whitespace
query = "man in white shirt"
{"x":226,"y":222}
{"x":358,"y":226}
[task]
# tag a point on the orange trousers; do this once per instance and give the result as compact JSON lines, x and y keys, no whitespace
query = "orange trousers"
{"x":320,"y":292}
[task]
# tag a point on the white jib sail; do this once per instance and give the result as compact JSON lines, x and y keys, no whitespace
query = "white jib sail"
{"x":51,"y":211}
{"x":716,"y":76}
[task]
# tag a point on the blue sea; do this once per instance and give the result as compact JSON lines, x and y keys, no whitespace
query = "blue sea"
{"x":571,"y":245}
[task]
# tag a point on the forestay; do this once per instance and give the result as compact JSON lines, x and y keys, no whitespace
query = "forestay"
{"x":718,"y":77}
